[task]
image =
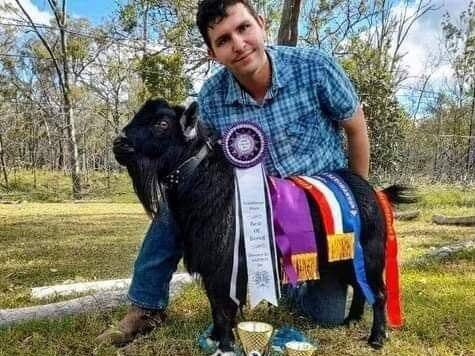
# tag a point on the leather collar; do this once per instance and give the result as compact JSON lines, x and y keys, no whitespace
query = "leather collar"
{"x":185,"y":169}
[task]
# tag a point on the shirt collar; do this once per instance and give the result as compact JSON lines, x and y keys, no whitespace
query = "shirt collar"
{"x":236,"y":94}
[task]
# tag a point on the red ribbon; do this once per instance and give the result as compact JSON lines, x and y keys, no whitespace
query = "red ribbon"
{"x":322,"y":203}
{"x":393,"y":302}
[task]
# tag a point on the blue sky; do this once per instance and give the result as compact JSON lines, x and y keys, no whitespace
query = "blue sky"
{"x":94,"y":10}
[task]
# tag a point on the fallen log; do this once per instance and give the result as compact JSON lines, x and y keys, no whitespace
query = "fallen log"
{"x":103,"y":300}
{"x":407,"y":215}
{"x":68,"y":289}
{"x":99,"y":301}
{"x":455,"y":220}
{"x":10,"y":202}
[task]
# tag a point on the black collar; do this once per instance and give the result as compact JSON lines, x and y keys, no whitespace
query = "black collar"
{"x":184,"y":170}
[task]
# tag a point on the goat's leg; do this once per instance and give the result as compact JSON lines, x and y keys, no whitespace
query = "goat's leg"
{"x":357,"y":306}
{"x":224,"y":319}
{"x":378,"y":330}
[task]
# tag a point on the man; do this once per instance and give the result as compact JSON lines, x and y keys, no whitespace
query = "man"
{"x":301,"y":99}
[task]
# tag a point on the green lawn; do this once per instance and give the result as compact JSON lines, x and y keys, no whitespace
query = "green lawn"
{"x":49,"y":243}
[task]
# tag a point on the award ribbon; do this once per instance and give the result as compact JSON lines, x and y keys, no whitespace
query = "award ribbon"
{"x":352,"y":222}
{"x":341,"y":220}
{"x":394,"y":306}
{"x":244,"y":147}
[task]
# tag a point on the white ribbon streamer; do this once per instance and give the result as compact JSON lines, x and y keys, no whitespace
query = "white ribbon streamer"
{"x":257,"y":237}
{"x":237,"y":234}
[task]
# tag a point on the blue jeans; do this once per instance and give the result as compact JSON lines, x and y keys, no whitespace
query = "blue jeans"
{"x":156,"y":262}
{"x":322,"y":301}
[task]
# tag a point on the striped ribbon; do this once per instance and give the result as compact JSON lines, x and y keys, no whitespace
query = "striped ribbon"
{"x":341,"y":221}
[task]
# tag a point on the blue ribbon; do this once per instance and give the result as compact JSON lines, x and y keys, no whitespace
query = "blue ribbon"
{"x":351,"y":223}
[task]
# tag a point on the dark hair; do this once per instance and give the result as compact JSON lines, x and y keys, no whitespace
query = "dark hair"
{"x":211,"y":12}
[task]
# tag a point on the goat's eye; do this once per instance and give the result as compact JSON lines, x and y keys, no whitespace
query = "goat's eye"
{"x":163,"y":125}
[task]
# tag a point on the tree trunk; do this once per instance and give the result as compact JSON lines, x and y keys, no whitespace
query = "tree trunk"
{"x":407,"y":215}
{"x":470,"y":149}
{"x":61,"y":157}
{"x":2,"y":161}
{"x":435,"y":167}
{"x":68,"y":110}
{"x":288,"y":29}
{"x":34,"y":153}
{"x":73,"y":153}
{"x":96,"y":302}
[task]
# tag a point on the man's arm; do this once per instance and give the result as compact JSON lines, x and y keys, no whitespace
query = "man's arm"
{"x":358,"y":143}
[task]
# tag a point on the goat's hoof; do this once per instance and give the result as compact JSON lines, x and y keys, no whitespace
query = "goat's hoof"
{"x":223,"y":353}
{"x":351,"y":322}
{"x":376,"y":342}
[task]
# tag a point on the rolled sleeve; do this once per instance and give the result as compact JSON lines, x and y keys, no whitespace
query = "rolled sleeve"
{"x":335,"y":91}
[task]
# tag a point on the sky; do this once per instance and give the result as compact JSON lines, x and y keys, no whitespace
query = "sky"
{"x":424,"y":39}
{"x":94,"y":10}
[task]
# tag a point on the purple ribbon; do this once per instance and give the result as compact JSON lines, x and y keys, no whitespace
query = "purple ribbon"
{"x":292,"y":223}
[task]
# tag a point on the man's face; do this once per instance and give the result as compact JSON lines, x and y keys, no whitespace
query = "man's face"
{"x":237,"y":41}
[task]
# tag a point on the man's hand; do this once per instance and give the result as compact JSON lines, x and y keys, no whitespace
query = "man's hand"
{"x":358,"y":143}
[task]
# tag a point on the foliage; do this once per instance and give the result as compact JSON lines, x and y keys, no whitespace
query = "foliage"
{"x":460,"y":44}
{"x":331,"y":22}
{"x":387,"y":121}
{"x":163,"y":76}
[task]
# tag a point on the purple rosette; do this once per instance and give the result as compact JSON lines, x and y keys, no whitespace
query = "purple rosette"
{"x":244,"y":144}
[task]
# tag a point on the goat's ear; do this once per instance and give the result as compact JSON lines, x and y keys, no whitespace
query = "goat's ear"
{"x":179,"y":110}
{"x":188,"y":120}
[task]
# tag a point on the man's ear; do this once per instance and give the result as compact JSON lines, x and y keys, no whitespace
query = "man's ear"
{"x":261,"y":21}
{"x":188,"y":120}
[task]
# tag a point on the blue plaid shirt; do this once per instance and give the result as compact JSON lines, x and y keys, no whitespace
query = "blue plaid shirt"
{"x":308,"y":98}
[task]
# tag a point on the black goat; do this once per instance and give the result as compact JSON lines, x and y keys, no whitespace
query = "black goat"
{"x":154,"y":147}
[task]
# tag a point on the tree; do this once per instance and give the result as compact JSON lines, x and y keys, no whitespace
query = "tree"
{"x":7,"y":39}
{"x":159,"y":71}
{"x":460,"y":45}
{"x":387,"y":121}
{"x":62,"y":68}
{"x":166,"y":26}
{"x":330,"y":23}
{"x":288,"y":30}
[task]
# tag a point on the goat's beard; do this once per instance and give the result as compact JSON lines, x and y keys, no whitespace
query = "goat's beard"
{"x":146,"y":184}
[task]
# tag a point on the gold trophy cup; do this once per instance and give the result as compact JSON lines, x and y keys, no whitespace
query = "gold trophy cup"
{"x":298,"y":348}
{"x":254,"y":336}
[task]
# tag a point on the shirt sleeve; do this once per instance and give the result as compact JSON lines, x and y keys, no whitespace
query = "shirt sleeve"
{"x":335,"y":91}
{"x":204,"y":117}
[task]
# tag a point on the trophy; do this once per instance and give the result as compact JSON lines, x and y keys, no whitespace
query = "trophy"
{"x":254,"y":337}
{"x":298,"y":348}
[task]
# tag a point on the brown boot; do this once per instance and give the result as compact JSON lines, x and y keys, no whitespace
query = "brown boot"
{"x":136,"y":322}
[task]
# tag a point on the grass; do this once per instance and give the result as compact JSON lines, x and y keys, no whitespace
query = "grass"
{"x":46,"y":243}
{"x":55,"y":186}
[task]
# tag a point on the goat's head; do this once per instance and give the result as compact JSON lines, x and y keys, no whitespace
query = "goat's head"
{"x":154,"y":142}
